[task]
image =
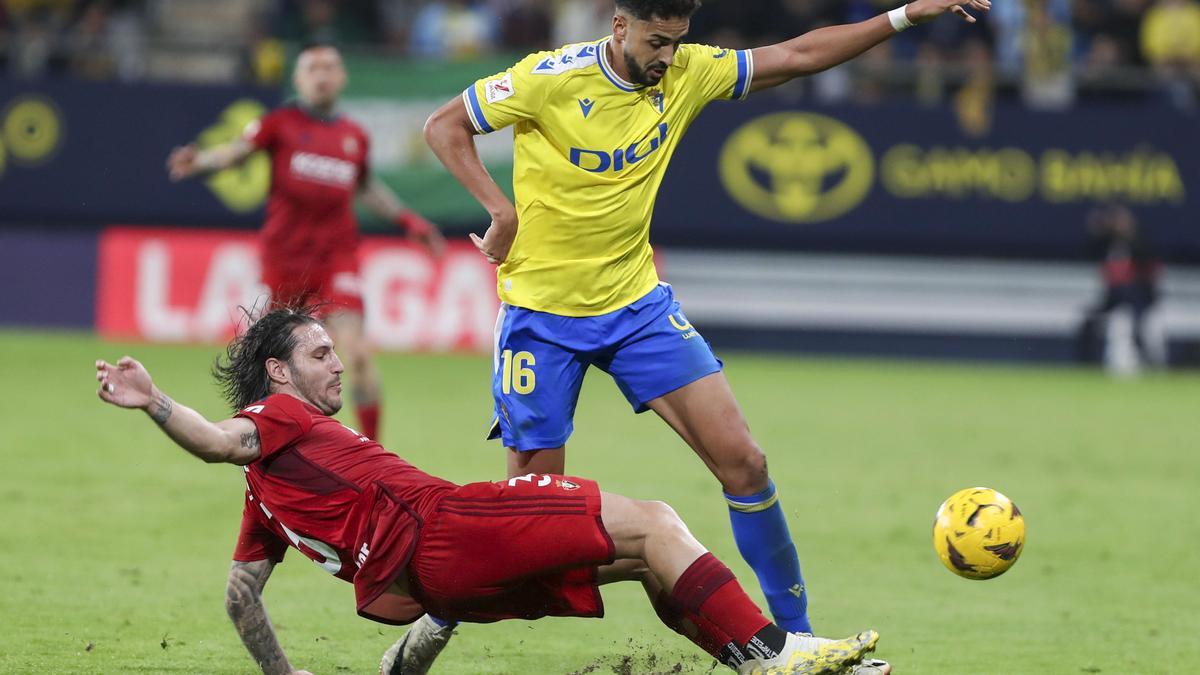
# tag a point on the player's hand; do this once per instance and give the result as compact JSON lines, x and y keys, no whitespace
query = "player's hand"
{"x":422,"y":232}
{"x":181,"y":164}
{"x":921,"y":11}
{"x":432,"y":241}
{"x":126,"y":384}
{"x":498,"y":239}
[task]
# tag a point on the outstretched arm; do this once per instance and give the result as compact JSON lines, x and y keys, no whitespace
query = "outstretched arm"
{"x":244,"y":604}
{"x":128,"y":385}
{"x":827,"y":47}
{"x":451,"y":136}
{"x":380,"y":200}
{"x":188,"y":161}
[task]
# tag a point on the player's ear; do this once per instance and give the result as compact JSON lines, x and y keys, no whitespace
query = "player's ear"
{"x":620,"y":26}
{"x":277,"y":371}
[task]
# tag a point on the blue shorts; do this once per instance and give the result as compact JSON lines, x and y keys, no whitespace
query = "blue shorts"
{"x":649,"y":348}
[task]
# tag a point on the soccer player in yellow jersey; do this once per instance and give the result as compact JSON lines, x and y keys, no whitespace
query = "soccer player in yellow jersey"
{"x":594,"y":127}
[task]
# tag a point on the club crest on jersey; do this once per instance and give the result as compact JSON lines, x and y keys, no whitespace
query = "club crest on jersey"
{"x":499,"y":89}
{"x":350,"y":145}
{"x":655,"y":97}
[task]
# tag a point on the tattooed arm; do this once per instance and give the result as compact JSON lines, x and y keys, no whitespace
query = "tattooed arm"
{"x":128,"y":385}
{"x":243,"y":602}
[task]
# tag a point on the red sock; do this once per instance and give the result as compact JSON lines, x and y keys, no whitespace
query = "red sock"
{"x":707,"y":591}
{"x":368,"y":419}
{"x":696,"y":628}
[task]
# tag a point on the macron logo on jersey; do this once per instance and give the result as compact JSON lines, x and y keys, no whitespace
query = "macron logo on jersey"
{"x":585,"y":104}
{"x":324,"y":169}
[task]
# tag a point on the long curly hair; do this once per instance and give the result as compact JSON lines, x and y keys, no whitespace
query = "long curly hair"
{"x":242,"y":371}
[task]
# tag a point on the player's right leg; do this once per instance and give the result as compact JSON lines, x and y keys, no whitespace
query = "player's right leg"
{"x":546,"y":460}
{"x":701,"y":599}
{"x":538,"y":367}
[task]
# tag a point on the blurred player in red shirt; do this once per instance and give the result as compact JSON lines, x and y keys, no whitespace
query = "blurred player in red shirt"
{"x":310,"y":239}
{"x":532,"y":546}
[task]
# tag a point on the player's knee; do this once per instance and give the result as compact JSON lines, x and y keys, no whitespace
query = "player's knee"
{"x":660,"y":517}
{"x":745,"y":472}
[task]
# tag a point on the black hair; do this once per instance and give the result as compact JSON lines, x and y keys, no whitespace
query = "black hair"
{"x":242,"y":371}
{"x":317,"y":44}
{"x":646,"y":10}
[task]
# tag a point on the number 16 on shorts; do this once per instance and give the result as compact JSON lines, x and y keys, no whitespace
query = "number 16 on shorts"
{"x":517,"y":374}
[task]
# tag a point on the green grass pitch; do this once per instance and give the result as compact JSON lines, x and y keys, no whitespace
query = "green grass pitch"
{"x":116,"y":543}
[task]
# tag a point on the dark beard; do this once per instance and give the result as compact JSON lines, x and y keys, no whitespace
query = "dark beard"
{"x":637,"y":73}
{"x":309,"y":392}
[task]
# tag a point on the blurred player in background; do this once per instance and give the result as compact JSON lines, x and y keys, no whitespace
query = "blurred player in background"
{"x":1132,"y":276}
{"x":319,"y":163}
{"x":533,"y":546}
{"x":595,"y":125}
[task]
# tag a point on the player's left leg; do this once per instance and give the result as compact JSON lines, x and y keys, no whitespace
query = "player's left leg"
{"x":706,"y":415}
{"x":665,"y":365}
{"x":698,"y":596}
{"x":346,"y":328}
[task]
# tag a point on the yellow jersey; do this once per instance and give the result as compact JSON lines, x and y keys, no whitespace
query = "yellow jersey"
{"x":589,"y":153}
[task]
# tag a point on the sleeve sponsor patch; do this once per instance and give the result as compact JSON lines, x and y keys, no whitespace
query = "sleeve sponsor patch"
{"x":499,"y":89}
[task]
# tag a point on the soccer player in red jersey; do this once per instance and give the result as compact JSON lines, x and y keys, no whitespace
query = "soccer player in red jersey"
{"x":532,"y":546}
{"x":310,"y":239}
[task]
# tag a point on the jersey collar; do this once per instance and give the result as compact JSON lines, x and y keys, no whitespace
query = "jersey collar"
{"x":606,"y":68}
{"x":330,"y":118}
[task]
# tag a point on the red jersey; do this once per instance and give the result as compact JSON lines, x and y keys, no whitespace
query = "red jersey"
{"x":317,"y":166}
{"x":335,"y":495}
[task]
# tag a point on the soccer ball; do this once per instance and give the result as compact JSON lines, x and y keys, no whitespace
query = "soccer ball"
{"x":978,"y":533}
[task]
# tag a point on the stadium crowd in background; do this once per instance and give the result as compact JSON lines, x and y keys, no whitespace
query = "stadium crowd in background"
{"x":1047,"y":52}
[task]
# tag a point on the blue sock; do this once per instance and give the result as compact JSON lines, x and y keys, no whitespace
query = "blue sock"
{"x":762,"y":537}
{"x":443,"y":622}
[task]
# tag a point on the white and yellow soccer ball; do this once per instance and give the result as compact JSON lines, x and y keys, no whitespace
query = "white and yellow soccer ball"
{"x":978,"y":533}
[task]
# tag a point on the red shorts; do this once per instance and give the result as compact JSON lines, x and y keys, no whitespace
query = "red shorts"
{"x":518,"y":549}
{"x":329,"y":285}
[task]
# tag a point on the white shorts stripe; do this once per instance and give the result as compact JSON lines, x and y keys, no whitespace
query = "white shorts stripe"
{"x":496,"y":338}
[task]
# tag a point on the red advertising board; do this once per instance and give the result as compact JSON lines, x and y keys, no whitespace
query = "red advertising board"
{"x":178,"y":285}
